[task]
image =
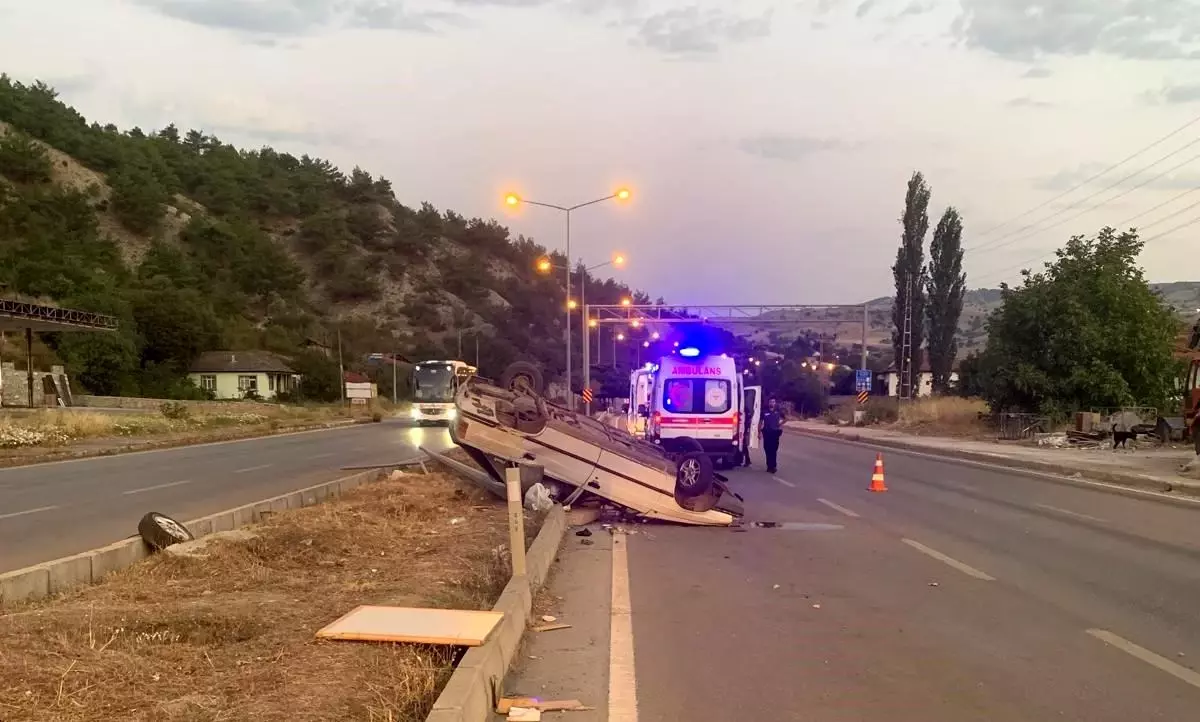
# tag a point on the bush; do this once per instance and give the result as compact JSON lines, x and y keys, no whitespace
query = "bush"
{"x":23,"y":160}
{"x":175,"y":410}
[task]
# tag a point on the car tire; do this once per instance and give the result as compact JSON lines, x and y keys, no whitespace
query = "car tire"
{"x":522,"y":375}
{"x":160,"y":531}
{"x":694,"y":474}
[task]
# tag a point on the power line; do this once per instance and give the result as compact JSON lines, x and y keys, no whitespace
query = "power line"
{"x":1148,"y":211}
{"x":1090,"y":196}
{"x":1179,"y":227}
{"x":1083,"y":183}
{"x":1103,"y":203}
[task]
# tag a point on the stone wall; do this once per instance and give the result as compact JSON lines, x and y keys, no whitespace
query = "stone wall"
{"x":14,"y":385}
{"x":143,"y":404}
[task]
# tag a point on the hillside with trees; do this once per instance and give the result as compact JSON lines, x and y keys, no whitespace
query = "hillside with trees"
{"x":197,"y":245}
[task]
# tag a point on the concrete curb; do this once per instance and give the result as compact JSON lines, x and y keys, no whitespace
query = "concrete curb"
{"x":468,"y":695}
{"x":59,"y":575}
{"x":15,"y":462}
{"x":1183,"y":486}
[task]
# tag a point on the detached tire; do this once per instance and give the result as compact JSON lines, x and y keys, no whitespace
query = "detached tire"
{"x":161,"y":531}
{"x":694,"y":475}
{"x":522,"y":376}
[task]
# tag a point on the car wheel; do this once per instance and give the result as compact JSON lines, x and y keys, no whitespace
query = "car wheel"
{"x":694,"y":474}
{"x":161,"y":531}
{"x":522,"y":376}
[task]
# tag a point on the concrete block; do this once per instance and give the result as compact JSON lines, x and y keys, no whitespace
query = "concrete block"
{"x":259,"y":508}
{"x":201,"y":527}
{"x":243,"y":516}
{"x":117,"y":556}
{"x":70,"y":572}
{"x":24,"y":585}
{"x":223,"y":522}
{"x":279,"y":504}
{"x":295,"y":500}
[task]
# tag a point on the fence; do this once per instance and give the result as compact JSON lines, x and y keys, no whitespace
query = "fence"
{"x":1016,"y":426}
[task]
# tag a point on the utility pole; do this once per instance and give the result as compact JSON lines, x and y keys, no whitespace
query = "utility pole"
{"x":866,"y":320}
{"x":906,"y":345}
{"x":395,"y":391}
{"x":341,"y":367}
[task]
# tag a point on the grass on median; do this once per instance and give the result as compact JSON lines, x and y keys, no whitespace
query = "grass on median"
{"x":231,"y":636}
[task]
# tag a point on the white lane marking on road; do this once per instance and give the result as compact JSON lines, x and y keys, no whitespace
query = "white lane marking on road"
{"x":1175,"y":670}
{"x":27,"y":511}
{"x":167,"y":485}
{"x":251,"y":468}
{"x":321,"y":456}
{"x":1068,"y":512}
{"x":622,"y":677}
{"x":950,"y":561}
{"x":838,"y":508}
{"x":785,"y":482}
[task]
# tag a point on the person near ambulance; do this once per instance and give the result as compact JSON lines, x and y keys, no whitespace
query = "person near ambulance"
{"x":770,"y":429}
{"x":747,"y":427}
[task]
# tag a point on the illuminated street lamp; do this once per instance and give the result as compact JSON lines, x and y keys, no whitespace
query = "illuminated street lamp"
{"x":571,"y":305}
{"x":513,"y":200}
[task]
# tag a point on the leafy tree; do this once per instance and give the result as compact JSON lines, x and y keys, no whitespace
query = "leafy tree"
{"x":910,"y":275}
{"x":1085,"y":332}
{"x":946,"y":286}
{"x":23,"y":160}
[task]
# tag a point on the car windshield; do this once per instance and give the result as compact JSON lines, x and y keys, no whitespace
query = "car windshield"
{"x":696,"y":396}
{"x":433,"y":384}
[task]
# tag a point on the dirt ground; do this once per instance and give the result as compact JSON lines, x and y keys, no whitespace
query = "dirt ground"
{"x":230,"y":637}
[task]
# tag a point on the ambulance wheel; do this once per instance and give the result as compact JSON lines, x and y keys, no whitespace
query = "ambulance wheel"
{"x":522,"y":376}
{"x":694,"y":474}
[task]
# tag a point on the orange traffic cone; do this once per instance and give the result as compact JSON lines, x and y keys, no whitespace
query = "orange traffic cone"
{"x":877,"y":477}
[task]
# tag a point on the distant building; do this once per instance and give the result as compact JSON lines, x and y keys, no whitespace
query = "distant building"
{"x":234,"y":374}
{"x":924,"y":378}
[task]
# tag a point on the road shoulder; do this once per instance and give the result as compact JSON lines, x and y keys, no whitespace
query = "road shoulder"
{"x":1072,"y":464}
{"x":570,"y":663}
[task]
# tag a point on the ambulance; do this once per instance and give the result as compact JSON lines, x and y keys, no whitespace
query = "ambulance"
{"x":701,"y":398}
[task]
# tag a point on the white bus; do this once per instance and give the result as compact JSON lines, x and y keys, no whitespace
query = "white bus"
{"x":434,"y":385}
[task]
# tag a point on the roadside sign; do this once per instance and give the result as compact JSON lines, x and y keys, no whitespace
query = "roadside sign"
{"x":862,"y":397}
{"x":587,"y":395}
{"x":862,"y":380}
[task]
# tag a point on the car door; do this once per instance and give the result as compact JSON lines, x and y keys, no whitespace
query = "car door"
{"x":752,"y":405}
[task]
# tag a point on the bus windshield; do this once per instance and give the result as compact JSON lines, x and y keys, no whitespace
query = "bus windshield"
{"x":434,"y":384}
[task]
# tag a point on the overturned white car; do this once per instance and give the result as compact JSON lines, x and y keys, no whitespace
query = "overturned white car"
{"x":511,"y":422}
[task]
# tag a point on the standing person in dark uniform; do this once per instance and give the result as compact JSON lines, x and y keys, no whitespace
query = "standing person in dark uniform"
{"x":770,"y":428}
{"x":747,"y":429}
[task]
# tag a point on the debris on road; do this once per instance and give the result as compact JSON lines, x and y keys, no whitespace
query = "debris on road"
{"x":455,"y":627}
{"x":524,"y":714}
{"x":506,"y":704}
{"x":584,"y":532}
{"x":549,"y":627}
{"x":160,"y":531}
{"x":538,"y":498}
{"x":548,"y":618}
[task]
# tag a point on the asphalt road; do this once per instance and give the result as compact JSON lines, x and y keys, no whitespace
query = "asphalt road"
{"x":56,"y":509}
{"x":960,"y":594}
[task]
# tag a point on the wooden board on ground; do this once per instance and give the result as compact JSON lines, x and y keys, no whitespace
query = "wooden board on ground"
{"x":419,"y":626}
{"x":504,"y":704}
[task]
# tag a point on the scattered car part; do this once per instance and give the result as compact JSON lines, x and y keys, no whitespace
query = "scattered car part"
{"x":160,"y":531}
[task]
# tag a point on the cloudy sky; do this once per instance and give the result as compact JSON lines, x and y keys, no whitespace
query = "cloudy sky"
{"x":767,"y":143}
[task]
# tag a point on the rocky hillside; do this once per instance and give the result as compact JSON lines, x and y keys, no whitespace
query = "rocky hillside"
{"x":196,"y":245}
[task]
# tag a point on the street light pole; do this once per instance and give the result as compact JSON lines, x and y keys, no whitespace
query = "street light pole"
{"x":513,"y":199}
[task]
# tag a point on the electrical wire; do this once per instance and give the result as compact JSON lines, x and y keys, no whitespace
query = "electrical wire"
{"x":1086,"y":181}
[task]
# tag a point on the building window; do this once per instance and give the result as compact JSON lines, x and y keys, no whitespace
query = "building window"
{"x":271,"y":382}
{"x":247,"y":383}
{"x":208,"y":382}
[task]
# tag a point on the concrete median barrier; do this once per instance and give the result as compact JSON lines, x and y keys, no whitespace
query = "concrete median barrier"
{"x":469,"y":695}
{"x":60,"y":575}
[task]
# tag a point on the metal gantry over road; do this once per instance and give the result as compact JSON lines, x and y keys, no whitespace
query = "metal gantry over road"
{"x":718,"y":315}
{"x":30,"y":317}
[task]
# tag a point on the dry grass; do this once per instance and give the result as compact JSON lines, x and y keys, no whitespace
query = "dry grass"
{"x":231,"y":636}
{"x":946,"y":415}
{"x":56,"y":427}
